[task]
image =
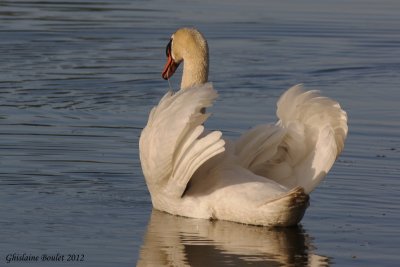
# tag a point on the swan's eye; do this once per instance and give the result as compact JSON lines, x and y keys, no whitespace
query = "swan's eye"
{"x":168,"y":49}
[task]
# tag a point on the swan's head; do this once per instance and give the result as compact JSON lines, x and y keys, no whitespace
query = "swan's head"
{"x":188,"y":45}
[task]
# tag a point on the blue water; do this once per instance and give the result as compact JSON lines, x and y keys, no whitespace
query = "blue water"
{"x":78,"y":78}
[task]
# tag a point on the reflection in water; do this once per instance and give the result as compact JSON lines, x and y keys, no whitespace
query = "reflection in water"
{"x":177,"y":241}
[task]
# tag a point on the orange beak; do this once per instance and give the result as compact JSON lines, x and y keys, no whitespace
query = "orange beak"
{"x":169,"y":68}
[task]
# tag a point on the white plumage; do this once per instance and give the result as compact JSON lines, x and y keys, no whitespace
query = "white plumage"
{"x":263,"y":178}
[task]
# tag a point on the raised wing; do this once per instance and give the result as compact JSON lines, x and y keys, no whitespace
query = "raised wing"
{"x":173,"y":144}
{"x":303,"y":145}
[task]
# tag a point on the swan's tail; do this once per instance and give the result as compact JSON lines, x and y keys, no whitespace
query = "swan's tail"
{"x":289,"y":209}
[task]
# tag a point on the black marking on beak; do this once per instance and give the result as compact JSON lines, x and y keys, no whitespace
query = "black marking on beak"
{"x":168,"y":48}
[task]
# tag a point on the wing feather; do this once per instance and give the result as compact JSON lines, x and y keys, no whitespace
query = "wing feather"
{"x":303,"y":145}
{"x":173,"y":144}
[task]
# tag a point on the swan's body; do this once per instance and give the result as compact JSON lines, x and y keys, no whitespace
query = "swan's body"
{"x":263,"y":178}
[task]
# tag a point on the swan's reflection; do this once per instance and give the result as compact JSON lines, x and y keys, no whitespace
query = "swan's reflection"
{"x":177,"y":241}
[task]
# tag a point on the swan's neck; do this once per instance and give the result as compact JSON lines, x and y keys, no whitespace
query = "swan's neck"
{"x":195,"y":69}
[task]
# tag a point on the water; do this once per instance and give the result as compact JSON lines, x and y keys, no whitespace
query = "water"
{"x":78,"y":78}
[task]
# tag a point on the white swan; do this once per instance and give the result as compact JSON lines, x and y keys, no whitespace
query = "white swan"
{"x":263,"y":178}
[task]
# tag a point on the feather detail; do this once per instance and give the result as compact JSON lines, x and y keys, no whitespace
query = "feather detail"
{"x":303,"y":145}
{"x":171,"y":149}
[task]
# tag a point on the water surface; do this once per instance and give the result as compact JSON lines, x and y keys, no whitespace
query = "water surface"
{"x":78,"y":78}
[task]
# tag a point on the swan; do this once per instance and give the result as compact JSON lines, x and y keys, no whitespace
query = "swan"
{"x":262,"y":178}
